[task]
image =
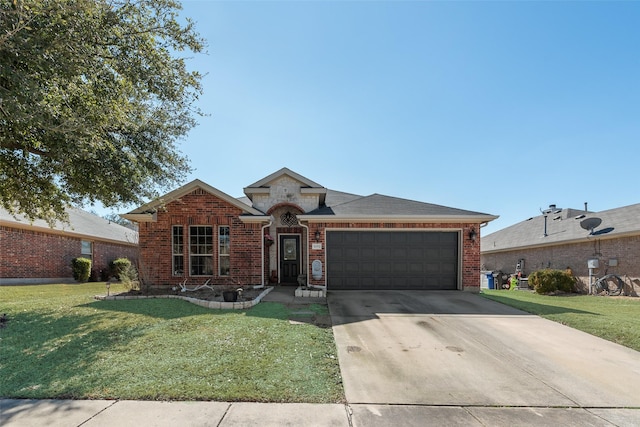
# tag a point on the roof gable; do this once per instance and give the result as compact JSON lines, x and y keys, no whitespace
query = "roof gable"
{"x":264,"y":182}
{"x":147,"y":210}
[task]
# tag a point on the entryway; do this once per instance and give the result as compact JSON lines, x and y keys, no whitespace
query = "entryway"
{"x":289,"y":258}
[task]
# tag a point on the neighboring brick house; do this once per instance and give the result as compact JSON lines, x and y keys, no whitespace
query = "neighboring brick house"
{"x":556,"y":240}
{"x":289,"y":230}
{"x":37,"y":253}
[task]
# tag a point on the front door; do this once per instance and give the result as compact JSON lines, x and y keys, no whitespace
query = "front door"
{"x":289,"y":258}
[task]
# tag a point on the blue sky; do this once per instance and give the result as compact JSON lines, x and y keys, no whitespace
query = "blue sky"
{"x":495,"y":107}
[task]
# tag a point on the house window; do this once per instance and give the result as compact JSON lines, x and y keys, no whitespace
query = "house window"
{"x":224,"y":250}
{"x":86,"y":249}
{"x":177,"y":250}
{"x":201,"y":250}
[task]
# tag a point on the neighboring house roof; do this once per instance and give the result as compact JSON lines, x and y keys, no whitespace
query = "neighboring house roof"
{"x":563,"y":227}
{"x":377,"y":206}
{"x":81,"y":224}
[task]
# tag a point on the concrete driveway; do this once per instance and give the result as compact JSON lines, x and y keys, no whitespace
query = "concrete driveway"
{"x":455,"y":348}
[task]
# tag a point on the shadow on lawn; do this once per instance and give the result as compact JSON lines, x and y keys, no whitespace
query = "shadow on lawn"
{"x":158,"y":308}
{"x":174,"y":308}
{"x":535,"y":308}
{"x":49,"y":355}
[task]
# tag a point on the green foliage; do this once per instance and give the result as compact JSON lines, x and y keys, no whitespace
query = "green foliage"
{"x":548,"y":280}
{"x":81,"y":268}
{"x":93,"y":100}
{"x":124,"y":271}
{"x":61,"y":343}
{"x":119,"y":267}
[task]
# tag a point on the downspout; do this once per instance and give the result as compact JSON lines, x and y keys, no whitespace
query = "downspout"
{"x":262,"y":246}
{"x":307,"y":252}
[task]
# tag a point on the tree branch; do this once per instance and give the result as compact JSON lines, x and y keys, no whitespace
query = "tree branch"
{"x":32,"y":150}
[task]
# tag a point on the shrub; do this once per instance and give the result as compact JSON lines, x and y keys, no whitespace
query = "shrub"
{"x":126,"y":273}
{"x":81,"y":268}
{"x":119,"y":267}
{"x":548,"y":280}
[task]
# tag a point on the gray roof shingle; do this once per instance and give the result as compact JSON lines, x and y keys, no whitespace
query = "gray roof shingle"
{"x":563,"y":227}
{"x":81,"y":224}
{"x":379,"y":205}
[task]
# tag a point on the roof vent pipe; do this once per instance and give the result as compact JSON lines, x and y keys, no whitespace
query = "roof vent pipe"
{"x":585,"y":206}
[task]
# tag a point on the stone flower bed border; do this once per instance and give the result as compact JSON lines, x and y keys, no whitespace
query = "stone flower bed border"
{"x":219,"y":305}
{"x":306,"y":292}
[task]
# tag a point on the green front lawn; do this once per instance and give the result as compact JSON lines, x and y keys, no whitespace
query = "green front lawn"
{"x":615,"y":319}
{"x":61,"y":343}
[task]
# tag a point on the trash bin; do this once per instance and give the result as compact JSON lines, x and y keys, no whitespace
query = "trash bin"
{"x":490,"y":281}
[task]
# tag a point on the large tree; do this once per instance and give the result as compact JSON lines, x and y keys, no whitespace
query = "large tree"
{"x":95,"y":96}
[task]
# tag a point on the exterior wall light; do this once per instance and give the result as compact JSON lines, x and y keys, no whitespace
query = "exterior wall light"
{"x":317,"y":235}
{"x":473,"y":235}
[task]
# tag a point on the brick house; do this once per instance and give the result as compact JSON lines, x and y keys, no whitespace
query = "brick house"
{"x":557,"y":240}
{"x":37,"y":253}
{"x":291,"y":230}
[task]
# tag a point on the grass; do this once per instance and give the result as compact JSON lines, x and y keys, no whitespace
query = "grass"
{"x":61,"y":343}
{"x":615,"y":319}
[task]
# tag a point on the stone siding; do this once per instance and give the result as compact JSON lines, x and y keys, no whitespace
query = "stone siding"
{"x":285,"y":190}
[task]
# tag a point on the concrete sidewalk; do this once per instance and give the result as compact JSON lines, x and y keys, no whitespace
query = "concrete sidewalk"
{"x":366,"y":413}
{"x":92,"y":413}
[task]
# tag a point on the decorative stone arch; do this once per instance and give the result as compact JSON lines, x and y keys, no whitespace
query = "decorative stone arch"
{"x":284,"y":205}
{"x":285,"y":222}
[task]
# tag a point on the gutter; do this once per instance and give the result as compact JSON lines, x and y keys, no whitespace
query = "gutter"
{"x":71,"y":233}
{"x":585,"y":239}
{"x":400,"y":218}
{"x":262,"y":246}
{"x":307,"y":252}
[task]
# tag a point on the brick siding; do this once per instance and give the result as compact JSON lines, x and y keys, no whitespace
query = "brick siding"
{"x":470,"y":256}
{"x":32,"y":254}
{"x":626,"y":250}
{"x":200,"y":208}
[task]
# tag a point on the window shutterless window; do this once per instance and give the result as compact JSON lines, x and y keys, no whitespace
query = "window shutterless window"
{"x":201,"y":250}
{"x":177,"y":250}
{"x":86,"y":249}
{"x":224,"y":263}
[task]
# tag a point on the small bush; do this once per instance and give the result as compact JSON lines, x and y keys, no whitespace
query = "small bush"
{"x":81,"y":268}
{"x":119,"y":267}
{"x":548,"y":281}
{"x":126,"y":273}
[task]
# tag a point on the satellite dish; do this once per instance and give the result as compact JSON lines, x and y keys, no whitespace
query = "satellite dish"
{"x":590,"y":223}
